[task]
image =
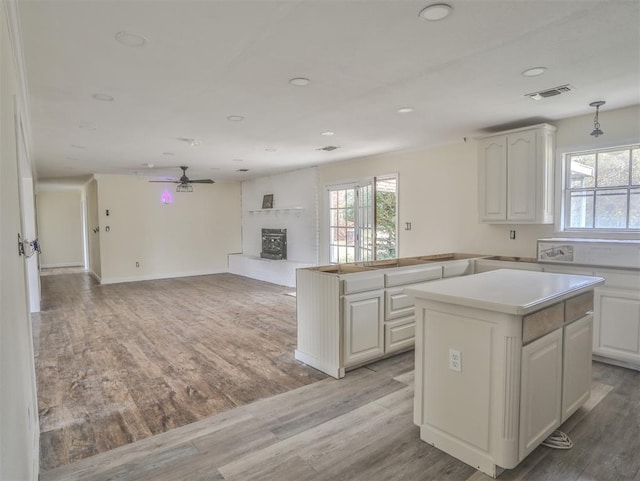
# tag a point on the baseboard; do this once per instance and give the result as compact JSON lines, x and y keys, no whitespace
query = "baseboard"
{"x":95,"y":276}
{"x":62,"y":264}
{"x":153,"y":277}
{"x":616,"y":362}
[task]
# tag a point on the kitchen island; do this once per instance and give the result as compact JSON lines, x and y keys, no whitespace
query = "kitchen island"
{"x":502,"y":359}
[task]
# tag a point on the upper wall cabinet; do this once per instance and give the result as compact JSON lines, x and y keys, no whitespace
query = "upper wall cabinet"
{"x":515,"y":176}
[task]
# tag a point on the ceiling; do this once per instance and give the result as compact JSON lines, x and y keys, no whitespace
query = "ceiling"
{"x":204,"y":61}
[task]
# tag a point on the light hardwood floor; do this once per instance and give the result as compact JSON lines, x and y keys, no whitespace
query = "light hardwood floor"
{"x":119,"y":363}
{"x":360,"y":428}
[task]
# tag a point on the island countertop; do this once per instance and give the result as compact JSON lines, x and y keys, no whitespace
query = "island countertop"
{"x":505,"y":290}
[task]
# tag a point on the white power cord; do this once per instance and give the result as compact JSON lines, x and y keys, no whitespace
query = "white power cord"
{"x":558,"y":440}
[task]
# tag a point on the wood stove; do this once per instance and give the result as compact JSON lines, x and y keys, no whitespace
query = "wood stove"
{"x":274,"y":244}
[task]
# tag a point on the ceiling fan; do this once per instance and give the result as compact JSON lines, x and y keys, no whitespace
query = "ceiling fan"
{"x":184,"y":183}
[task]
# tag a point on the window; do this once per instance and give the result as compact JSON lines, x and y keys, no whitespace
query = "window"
{"x":602,"y":189}
{"x":363,"y":220}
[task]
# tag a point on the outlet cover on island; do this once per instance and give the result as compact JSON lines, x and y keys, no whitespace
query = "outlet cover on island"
{"x":455,"y":360}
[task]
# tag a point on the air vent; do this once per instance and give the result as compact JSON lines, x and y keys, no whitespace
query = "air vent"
{"x":243,"y":170}
{"x":543,"y":94}
{"x":328,"y":148}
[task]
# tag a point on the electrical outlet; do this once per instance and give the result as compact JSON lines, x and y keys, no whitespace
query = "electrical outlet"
{"x":137,"y":264}
{"x":512,"y":234}
{"x":407,"y":226}
{"x":455,"y":360}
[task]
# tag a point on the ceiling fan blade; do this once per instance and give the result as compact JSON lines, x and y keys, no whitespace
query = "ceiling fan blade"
{"x":166,"y":181}
{"x":202,"y":181}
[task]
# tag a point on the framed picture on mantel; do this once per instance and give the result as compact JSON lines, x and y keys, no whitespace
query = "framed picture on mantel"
{"x":267,"y":201}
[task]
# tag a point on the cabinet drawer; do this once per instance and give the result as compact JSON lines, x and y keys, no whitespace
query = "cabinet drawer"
{"x":354,"y":284}
{"x":399,"y":334}
{"x":540,"y":323}
{"x":397,"y":304}
{"x":413,"y":276}
{"x":578,"y":307}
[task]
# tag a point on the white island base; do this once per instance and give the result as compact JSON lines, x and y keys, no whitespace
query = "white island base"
{"x":502,"y":359}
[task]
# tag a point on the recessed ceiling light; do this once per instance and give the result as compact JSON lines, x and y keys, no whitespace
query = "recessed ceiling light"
{"x":270,"y":149}
{"x":150,"y":166}
{"x":405,"y":110}
{"x":78,"y":146}
{"x":103,"y":97}
{"x":437,"y":11}
{"x":87,"y":126}
{"x":130,"y":39}
{"x":328,"y":133}
{"x":534,"y":72}
{"x":300,"y":81}
{"x":238,"y":160}
{"x":168,"y":153}
{"x":235,"y":118}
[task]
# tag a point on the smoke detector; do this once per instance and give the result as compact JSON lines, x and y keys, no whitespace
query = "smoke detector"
{"x":543,"y":94}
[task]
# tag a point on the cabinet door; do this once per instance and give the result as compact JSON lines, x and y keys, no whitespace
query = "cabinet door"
{"x":540,"y":391}
{"x":492,"y":179}
{"x":522,"y":176}
{"x":617,"y":324}
{"x":363,"y":327}
{"x":576,"y":387}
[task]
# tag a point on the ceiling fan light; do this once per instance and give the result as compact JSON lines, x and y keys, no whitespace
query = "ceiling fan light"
{"x":184,"y":188}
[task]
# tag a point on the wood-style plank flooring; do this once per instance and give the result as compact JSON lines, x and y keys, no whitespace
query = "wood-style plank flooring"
{"x":360,"y":428}
{"x":119,"y":363}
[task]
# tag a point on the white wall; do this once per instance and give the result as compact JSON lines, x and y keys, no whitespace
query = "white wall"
{"x":19,"y":431}
{"x":60,"y":226}
{"x":438,"y":190}
{"x":293,"y":189}
{"x":93,"y":229}
{"x":190,"y":236}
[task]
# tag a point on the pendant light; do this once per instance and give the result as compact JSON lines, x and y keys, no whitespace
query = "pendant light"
{"x":596,"y":125}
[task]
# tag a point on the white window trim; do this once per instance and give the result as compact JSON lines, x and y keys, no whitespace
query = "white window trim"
{"x":324,"y":228}
{"x":561,"y":172}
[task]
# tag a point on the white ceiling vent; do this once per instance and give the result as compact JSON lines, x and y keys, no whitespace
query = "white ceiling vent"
{"x":328,"y":148}
{"x":543,"y":94}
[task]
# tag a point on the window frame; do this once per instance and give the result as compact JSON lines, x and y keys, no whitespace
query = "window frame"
{"x":564,"y":194}
{"x":346,"y":184}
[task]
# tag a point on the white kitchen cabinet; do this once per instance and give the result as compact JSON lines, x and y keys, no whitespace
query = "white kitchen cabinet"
{"x":540,"y":390}
{"x":400,"y":321}
{"x":617,"y":326}
{"x":616,"y":316}
{"x":576,"y":375}
{"x":352,"y":314}
{"x":515,"y":176}
{"x":363,"y":327}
